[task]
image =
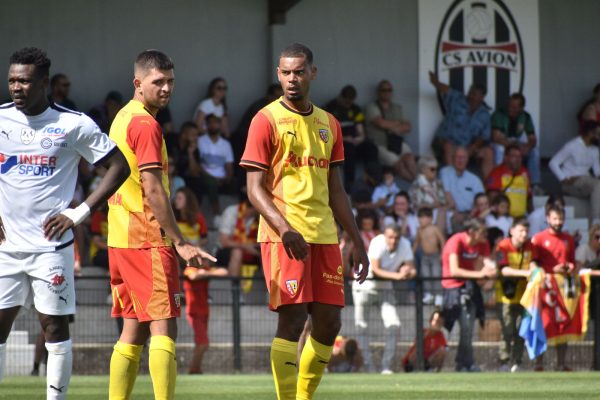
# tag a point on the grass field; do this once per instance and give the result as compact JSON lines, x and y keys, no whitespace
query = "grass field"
{"x":571,"y":386}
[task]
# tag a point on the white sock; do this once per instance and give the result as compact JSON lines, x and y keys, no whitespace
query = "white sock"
{"x":58,"y":369}
{"x":2,"y":360}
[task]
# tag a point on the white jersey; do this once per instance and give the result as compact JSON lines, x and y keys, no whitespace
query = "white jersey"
{"x":39,"y":156}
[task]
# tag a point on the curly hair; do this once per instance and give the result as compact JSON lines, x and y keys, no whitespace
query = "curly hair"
{"x":32,"y":56}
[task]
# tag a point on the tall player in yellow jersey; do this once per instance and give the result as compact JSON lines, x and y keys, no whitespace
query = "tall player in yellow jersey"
{"x":143,"y":237}
{"x":293,"y":154}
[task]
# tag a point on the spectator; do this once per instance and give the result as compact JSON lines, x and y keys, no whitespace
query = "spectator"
{"x":512,"y":179}
{"x":59,"y":92}
{"x":237,"y":236}
{"x":572,"y":165}
{"x":481,"y":207}
{"x":428,"y":191}
{"x":104,"y":114}
{"x":189,"y":218}
{"x":514,"y":126}
{"x":515,"y":258}
{"x":555,"y":250}
{"x":351,"y":119}
{"x":434,"y":346}
{"x":462,"y":185}
{"x":176,"y":182}
{"x":187,"y":157}
{"x":98,"y":237}
{"x":403,"y":217}
{"x":165,"y":120}
{"x":466,"y":124}
{"x":429,"y":244}
{"x":499,"y":216}
{"x":367,"y":221}
{"x":238,"y":141}
{"x":216,"y":162}
{"x":391,"y":259}
{"x":387,"y":128}
{"x":346,"y":356}
{"x":588,"y":253}
{"x":214,"y":103}
{"x":537,"y":219}
{"x":363,"y":189}
{"x":384,"y":193}
{"x":463,"y":260}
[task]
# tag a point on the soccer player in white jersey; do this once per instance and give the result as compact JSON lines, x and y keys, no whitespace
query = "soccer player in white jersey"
{"x":40,"y":148}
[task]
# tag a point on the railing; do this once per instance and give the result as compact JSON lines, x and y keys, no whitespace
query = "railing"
{"x":241,"y":327}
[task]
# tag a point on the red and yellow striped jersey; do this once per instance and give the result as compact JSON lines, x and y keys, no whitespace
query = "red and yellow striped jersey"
{"x":297,"y":150}
{"x":131,"y":222}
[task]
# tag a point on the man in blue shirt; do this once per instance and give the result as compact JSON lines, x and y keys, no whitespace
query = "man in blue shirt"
{"x":466,"y":124}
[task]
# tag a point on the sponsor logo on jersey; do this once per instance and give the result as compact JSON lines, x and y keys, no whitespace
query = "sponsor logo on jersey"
{"x":54,"y":131}
{"x":324,"y":135}
{"x":46,"y":143}
{"x":317,"y":121}
{"x":480,"y":40}
{"x":29,"y":164}
{"x":292,"y":286}
{"x":297,"y":161}
{"x":5,"y":134}
{"x":27,"y":135}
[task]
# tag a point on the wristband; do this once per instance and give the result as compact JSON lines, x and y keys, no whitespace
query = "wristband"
{"x":77,"y":214}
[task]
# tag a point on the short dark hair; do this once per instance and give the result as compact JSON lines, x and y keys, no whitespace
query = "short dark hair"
{"x":511,"y":147}
{"x":425,"y":212}
{"x":149,"y":59}
{"x":32,"y":56}
{"x":555,"y":198}
{"x":297,"y":50}
{"x":555,"y":208}
{"x":518,"y":96}
{"x":500,"y":198}
{"x":348,"y":92}
{"x":187,"y":125}
{"x":57,"y":77}
{"x":522,"y":221}
{"x":480,"y":87}
{"x":211,"y":116}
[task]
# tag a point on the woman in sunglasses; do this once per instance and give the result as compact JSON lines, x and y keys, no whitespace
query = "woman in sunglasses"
{"x":215,"y":103}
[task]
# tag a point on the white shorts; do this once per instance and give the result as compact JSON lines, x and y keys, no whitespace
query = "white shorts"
{"x":45,"y":278}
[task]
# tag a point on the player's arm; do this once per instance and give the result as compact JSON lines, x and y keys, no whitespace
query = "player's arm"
{"x":340,"y":206}
{"x":161,"y":208}
{"x":439,"y":86}
{"x":293,"y":242}
{"x":117,"y":171}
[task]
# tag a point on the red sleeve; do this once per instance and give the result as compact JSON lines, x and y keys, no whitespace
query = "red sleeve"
{"x":259,"y":144}
{"x":144,"y":136}
{"x":494,"y":180}
{"x":202,"y":228}
{"x":454,"y":245}
{"x":501,"y":255}
{"x":337,"y":153}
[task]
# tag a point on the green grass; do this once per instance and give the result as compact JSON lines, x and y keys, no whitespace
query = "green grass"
{"x":570,"y":386}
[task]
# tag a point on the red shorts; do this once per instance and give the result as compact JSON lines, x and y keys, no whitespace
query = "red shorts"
{"x":318,"y":279}
{"x":199,"y":324}
{"x":144,"y":283}
{"x":196,"y":297}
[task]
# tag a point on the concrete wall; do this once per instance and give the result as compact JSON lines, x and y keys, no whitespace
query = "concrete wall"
{"x":358,"y":42}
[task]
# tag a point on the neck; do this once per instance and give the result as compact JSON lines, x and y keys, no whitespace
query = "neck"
{"x":38,"y":108}
{"x":149,"y":108}
{"x":515,"y":243}
{"x":302,"y":105}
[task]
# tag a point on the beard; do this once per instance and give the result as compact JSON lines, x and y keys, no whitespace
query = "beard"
{"x":557,"y":227}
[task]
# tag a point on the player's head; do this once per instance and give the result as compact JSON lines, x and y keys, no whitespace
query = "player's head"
{"x":476,"y":230}
{"x":436,"y":320}
{"x":28,"y":72}
{"x":213,"y":124}
{"x":513,"y":158}
{"x":385,"y":90}
{"x":347,"y":96}
{"x":476,"y":94}
{"x":519,"y":230}
{"x":153,"y":79}
{"x":425,"y":215}
{"x":516,"y":105}
{"x":296,"y":71}
{"x":460,"y":159}
{"x":555,"y":217}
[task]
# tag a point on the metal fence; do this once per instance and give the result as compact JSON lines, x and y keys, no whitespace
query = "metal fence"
{"x":241,"y":329}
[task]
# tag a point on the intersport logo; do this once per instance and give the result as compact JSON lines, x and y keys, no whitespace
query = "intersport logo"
{"x":479,"y":42}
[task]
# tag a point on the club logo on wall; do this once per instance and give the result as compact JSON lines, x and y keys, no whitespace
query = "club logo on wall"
{"x":479,"y":43}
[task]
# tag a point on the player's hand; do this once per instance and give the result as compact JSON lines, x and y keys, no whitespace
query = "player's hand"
{"x":489,"y":271}
{"x":193,"y":255}
{"x":56,"y":226}
{"x":294,"y":244}
{"x":361,"y":263}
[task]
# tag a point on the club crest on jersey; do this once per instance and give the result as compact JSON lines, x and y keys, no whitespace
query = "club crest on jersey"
{"x":27,"y":135}
{"x":292,"y":286}
{"x":46,"y":143}
{"x":58,"y":284}
{"x":324,"y":134}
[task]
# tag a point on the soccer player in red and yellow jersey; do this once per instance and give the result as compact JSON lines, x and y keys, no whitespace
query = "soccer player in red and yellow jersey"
{"x":142,"y":232}
{"x":292,"y":156}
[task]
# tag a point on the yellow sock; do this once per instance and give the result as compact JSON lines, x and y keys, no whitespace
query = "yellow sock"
{"x":283,"y":364}
{"x":313,"y":361}
{"x":163,"y":367}
{"x":124,"y":365}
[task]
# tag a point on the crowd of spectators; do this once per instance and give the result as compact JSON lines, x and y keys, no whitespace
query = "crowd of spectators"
{"x":480,"y":177}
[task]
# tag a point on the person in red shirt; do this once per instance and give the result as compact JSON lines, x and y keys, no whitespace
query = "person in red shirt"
{"x":463,"y":259}
{"x":556,"y":254}
{"x":434,"y":346}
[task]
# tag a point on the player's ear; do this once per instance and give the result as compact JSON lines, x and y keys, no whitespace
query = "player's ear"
{"x":137,"y":82}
